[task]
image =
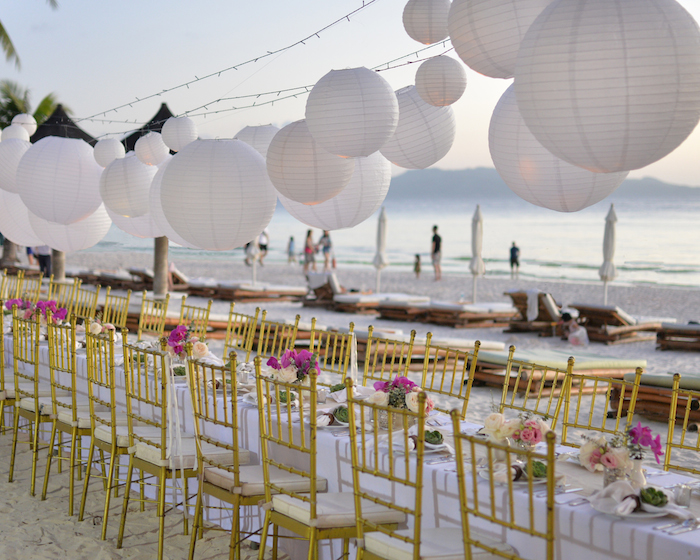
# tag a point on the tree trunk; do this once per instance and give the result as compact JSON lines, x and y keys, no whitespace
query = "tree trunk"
{"x":160,"y":267}
{"x":9,"y":254}
{"x":58,"y":265}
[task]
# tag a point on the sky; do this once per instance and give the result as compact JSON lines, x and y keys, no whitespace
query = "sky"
{"x":96,"y":56}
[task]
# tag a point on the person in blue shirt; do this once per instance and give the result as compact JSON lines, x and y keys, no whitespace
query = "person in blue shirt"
{"x":514,"y":261}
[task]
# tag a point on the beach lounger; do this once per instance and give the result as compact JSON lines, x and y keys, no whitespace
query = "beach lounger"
{"x":678,"y":337}
{"x":203,"y":287}
{"x":409,"y":311}
{"x":142,"y":278}
{"x":537,"y":312}
{"x":612,"y":325}
{"x":368,"y":303}
{"x":322,"y":287}
{"x":244,"y":291}
{"x":470,"y":315}
{"x":656,"y":393}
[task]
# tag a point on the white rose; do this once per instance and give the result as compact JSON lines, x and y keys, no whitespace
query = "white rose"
{"x":509,"y":428}
{"x":95,"y":328}
{"x":380,"y":398}
{"x":199,"y":350}
{"x":287,"y":375}
{"x":493,"y":423}
{"x":412,"y":401}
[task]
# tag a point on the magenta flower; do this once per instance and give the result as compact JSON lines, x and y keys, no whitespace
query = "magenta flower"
{"x":60,"y":314}
{"x":288,"y":358}
{"x":404,"y":382}
{"x":655,"y":446}
{"x":178,"y":349}
{"x":383,"y":386}
{"x":274,"y":363}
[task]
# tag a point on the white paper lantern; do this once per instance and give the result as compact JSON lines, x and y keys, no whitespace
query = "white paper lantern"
{"x":14,"y":221}
{"x":359,"y":200}
{"x":352,"y":113}
{"x":441,"y":81}
{"x":534,"y":173}
{"x":15,"y":131}
{"x":107,"y":150}
{"x":26,"y":121}
{"x":177,"y":132}
{"x":216,"y":194}
{"x":143,"y":226}
{"x":73,"y":237}
{"x":426,"y":20}
{"x":486,"y":34}
{"x":11,"y":152}
{"x":59,"y":180}
{"x":303,"y":171}
{"x":125,"y":185}
{"x":156,"y":208}
{"x":610,"y":85}
{"x":425,"y":133}
{"x":150,"y":149}
{"x":259,"y":137}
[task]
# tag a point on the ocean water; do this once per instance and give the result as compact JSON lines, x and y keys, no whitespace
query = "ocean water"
{"x":657,"y":242}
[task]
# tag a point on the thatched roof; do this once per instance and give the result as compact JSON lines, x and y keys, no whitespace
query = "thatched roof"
{"x":60,"y":124}
{"x":154,"y":125}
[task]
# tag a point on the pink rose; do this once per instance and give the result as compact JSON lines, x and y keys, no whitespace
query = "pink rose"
{"x":527,"y":435}
{"x":429,"y":405}
{"x":609,"y":460}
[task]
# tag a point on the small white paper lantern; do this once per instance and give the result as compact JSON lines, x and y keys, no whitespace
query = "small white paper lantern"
{"x":14,"y":221}
{"x":59,"y":180}
{"x":441,"y":81}
{"x":359,"y":200}
{"x":486,"y":34}
{"x":26,"y":121}
{"x":15,"y":131}
{"x":303,"y":171}
{"x":216,"y":194}
{"x":352,"y":113}
{"x":259,"y":137}
{"x":534,"y":173}
{"x":426,"y":20}
{"x":177,"y":132}
{"x":107,"y":150}
{"x":125,"y":185}
{"x":610,"y":85}
{"x":11,"y":152}
{"x":425,"y":133}
{"x":150,"y":149}
{"x":76,"y":236}
{"x":143,"y":226}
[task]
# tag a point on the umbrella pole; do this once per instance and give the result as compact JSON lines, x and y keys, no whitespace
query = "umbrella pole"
{"x":378,"y":282}
{"x":474,"y":290}
{"x":605,"y":292}
{"x":255,"y":268}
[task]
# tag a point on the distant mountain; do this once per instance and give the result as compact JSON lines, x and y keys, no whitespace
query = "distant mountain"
{"x":484,"y":182}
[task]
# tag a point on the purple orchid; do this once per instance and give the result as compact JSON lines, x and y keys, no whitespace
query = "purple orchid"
{"x":274,"y":363}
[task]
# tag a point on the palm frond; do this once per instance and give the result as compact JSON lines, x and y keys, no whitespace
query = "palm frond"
{"x":46,"y":107}
{"x":53,"y":4}
{"x":8,"y":48}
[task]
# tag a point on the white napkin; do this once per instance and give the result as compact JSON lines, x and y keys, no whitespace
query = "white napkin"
{"x":212,"y":359}
{"x":613,"y":499}
{"x":339,"y":396}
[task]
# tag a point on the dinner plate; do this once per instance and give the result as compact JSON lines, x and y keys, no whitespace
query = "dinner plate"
{"x":634,"y":515}
{"x":426,"y":450}
{"x":522,"y":482}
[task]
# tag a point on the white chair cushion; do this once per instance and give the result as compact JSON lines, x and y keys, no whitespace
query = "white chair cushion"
{"x":253,"y":484}
{"x":28,"y":403}
{"x":335,"y":509}
{"x":83,"y":416}
{"x":44,"y":390}
{"x":187,"y":458}
{"x":103,"y":433}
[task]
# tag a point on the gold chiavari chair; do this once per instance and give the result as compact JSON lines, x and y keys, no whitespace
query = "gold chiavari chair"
{"x":7,"y":378}
{"x":448,"y":374}
{"x":152,"y":316}
{"x":588,"y":404}
{"x":532,"y":388}
{"x":31,"y":288}
{"x":11,"y":285}
{"x":195,"y":316}
{"x":515,"y":510}
{"x":334,"y":351}
{"x":63,"y":292}
{"x":387,"y":461}
{"x":85,"y":302}
{"x":240,"y":332}
{"x":276,"y":337}
{"x":684,"y":410}
{"x":116,"y":309}
{"x":386,"y":358}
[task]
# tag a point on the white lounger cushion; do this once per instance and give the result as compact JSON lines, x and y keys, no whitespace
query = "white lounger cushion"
{"x":356,"y":298}
{"x":492,"y":307}
{"x":203,"y":282}
{"x":466,"y":344}
{"x":253,"y":484}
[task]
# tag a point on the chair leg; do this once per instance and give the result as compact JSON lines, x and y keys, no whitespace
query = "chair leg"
{"x":48,"y":461}
{"x":161,"y":511}
{"x":346,"y":548}
{"x":185,"y":490}
{"x":73,"y":467}
{"x":104,"y":471}
{"x":87,"y":479}
{"x":142,"y":492}
{"x":275,"y":536}
{"x":116,"y":475}
{"x":60,"y":452}
{"x":313,"y":545}
{"x":15,"y":430}
{"x":125,"y":504}
{"x":263,"y":536}
{"x":113,"y":460}
{"x":195,"y":523}
{"x":35,"y":456}
{"x":236,"y":529}
{"x":80,"y":456}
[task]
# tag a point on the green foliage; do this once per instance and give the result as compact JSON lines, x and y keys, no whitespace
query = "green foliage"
{"x":179,"y":371}
{"x":336,"y":388}
{"x":397,"y":397}
{"x":342,"y":414}
{"x":539,"y":469}
{"x":653,"y":497}
{"x":14,"y":99}
{"x":433,"y":438}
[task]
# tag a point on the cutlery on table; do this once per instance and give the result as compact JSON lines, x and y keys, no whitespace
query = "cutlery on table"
{"x":692,"y":525}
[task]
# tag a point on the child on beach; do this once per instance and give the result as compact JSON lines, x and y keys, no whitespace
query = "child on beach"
{"x":416,"y":266}
{"x":291,"y":251}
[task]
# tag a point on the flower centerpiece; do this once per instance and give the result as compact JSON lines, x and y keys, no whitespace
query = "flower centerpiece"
{"x":401,"y":392}
{"x":30,"y":310}
{"x":524,"y":432}
{"x":176,"y":342}
{"x":293,"y":366}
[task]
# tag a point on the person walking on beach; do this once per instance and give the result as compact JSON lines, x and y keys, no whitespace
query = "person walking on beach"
{"x":309,"y":252}
{"x":514,"y":261}
{"x":291,"y":250}
{"x":43,"y":253}
{"x":416,"y":266}
{"x":435,"y":253}
{"x":325,"y":245}
{"x":263,"y":240}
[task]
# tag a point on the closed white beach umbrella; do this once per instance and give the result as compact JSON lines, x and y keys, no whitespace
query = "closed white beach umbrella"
{"x":380,"y":259}
{"x":607,"y":271}
{"x":477,"y":264}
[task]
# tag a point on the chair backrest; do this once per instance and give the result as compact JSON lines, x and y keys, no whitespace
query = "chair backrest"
{"x":448,"y":374}
{"x":334,"y":351}
{"x":85,"y":302}
{"x":62,"y":364}
{"x":31,"y":288}
{"x":386,"y":358}
{"x":101,"y":380}
{"x":152,"y":316}
{"x":278,"y":430}
{"x":397,"y":468}
{"x":494,"y":503}
{"x":275,"y":337}
{"x":116,"y":309}
{"x":63,"y":292}
{"x":240,"y":332}
{"x":588,"y":404}
{"x":534,"y":388}
{"x":3,"y":365}
{"x":195,"y":316}
{"x":215,"y":409}
{"x":11,"y":285}
{"x":684,"y":407}
{"x":25,"y":337}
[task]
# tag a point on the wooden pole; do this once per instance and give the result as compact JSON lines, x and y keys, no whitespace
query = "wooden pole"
{"x":58,"y":265}
{"x":160,"y":267}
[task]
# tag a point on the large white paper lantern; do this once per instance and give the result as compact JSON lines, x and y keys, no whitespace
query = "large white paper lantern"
{"x":59,"y":180}
{"x":73,"y":237}
{"x":352,"y":112}
{"x":259,"y":137}
{"x":14,"y":221}
{"x":143,"y":226}
{"x":610,"y":85}
{"x":426,"y":20}
{"x":359,"y":200}
{"x":150,"y":149}
{"x":303,"y":171}
{"x":26,"y":121}
{"x":177,"y":132}
{"x":534,"y":173}
{"x":11,"y":152}
{"x":216,"y":194}
{"x":15,"y":131}
{"x":486,"y":34}
{"x":424,"y":135}
{"x":107,"y":150}
{"x":125,"y":185}
{"x":441,"y":81}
